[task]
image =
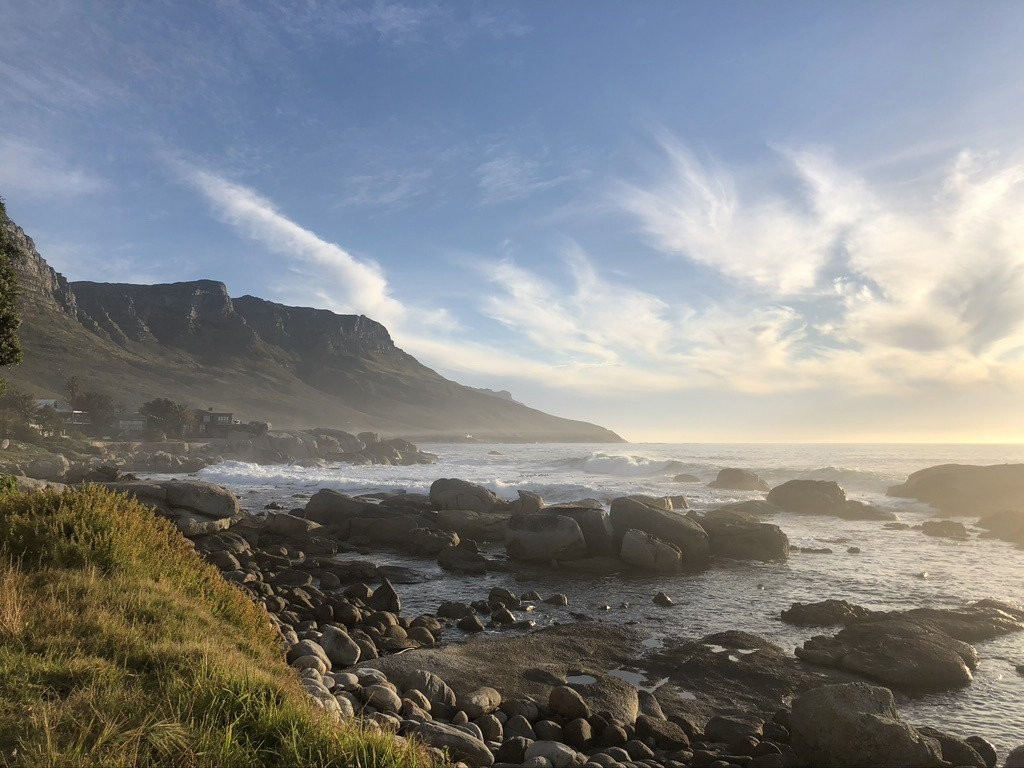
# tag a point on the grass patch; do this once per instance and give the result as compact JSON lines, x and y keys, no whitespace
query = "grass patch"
{"x":120,"y":647}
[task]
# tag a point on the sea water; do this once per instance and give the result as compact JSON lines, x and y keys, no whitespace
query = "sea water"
{"x":894,"y":569}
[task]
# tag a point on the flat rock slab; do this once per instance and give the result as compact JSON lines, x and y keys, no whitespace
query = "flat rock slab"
{"x":531,"y":665}
{"x":730,"y":671}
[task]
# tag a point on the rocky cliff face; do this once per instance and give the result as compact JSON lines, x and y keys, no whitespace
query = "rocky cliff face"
{"x":294,"y":366}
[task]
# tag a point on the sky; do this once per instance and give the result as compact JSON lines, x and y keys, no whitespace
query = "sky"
{"x":724,"y":222}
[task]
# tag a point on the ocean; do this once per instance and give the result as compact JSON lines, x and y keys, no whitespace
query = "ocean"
{"x":894,"y":569}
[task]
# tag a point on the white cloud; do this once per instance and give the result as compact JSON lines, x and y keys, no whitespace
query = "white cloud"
{"x":358,"y":286}
{"x":26,"y":169}
{"x":390,"y":188}
{"x":866,"y":286}
{"x":508,"y":175}
{"x":902,"y":288}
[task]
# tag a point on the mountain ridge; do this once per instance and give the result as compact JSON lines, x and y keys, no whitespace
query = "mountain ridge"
{"x":293,"y":366}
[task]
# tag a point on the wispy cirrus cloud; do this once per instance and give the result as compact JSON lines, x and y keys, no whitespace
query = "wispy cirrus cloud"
{"x":389,"y":188}
{"x":358,"y":286}
{"x":509,"y":175}
{"x":33,"y":171}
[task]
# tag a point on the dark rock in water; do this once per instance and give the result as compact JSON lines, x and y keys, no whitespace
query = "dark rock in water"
{"x":733,"y":479}
{"x":947,"y":529}
{"x":824,"y":614}
{"x":670,"y":526}
{"x":900,"y":654}
{"x":983,"y":748}
{"x":756,"y":508}
{"x":596,"y":525}
{"x":543,"y":536}
{"x":1015,"y":759}
{"x":1007,"y":525}
{"x":330,"y":507}
{"x":385,"y":598}
{"x":684,"y":478}
{"x":450,"y":493}
{"x":464,"y":558}
{"x":739,"y":536}
{"x":473,"y":526}
{"x":429,"y":542}
{"x":853,"y":550}
{"x":954,"y":751}
{"x":815,"y":550}
{"x":454,"y":610}
{"x":702,"y":682}
{"x":858,"y":510}
{"x":662,"y":599}
{"x":649,"y":553}
{"x":1020,"y":670}
{"x":470,"y":623}
{"x":897,"y":526}
{"x":557,"y":599}
{"x":809,"y":497}
{"x":855,"y":724}
{"x":961,"y":489}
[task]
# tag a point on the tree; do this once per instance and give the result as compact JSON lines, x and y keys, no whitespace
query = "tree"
{"x":100,"y":406}
{"x":17,"y":412}
{"x":50,"y":421}
{"x":73,"y":390}
{"x":10,"y":318}
{"x":169,"y":416}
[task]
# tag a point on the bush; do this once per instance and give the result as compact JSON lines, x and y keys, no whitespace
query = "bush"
{"x":119,"y":646}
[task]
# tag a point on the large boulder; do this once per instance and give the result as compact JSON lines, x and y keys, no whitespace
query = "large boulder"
{"x":459,"y":743}
{"x":329,"y":507}
{"x":389,"y":530}
{"x":756,"y":508}
{"x":204,"y":498}
{"x":740,"y":536}
{"x":450,"y":493}
{"x":51,"y":467}
{"x":478,"y":526}
{"x":637,"y":513}
{"x":596,"y":525}
{"x":734,"y":479}
{"x":824,"y":613}
{"x":809,"y":497}
{"x":650,"y":553}
{"x":195,"y":507}
{"x":901,"y":654}
{"x":855,"y":724}
{"x":958,"y":489}
{"x":1007,"y":525}
{"x":541,"y":536}
{"x":287,"y":526}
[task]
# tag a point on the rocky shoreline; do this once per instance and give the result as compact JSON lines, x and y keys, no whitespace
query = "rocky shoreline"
{"x":579,"y":692}
{"x":111,"y":460}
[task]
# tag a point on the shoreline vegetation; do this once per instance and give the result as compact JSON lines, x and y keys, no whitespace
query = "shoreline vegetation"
{"x":120,"y":647}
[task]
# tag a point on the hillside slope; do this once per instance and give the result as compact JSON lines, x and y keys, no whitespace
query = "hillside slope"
{"x":293,"y":366}
{"x":120,"y":647}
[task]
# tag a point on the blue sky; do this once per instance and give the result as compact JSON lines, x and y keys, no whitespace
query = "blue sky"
{"x":686,"y":221}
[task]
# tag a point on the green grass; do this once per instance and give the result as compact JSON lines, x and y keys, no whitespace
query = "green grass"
{"x":120,"y":647}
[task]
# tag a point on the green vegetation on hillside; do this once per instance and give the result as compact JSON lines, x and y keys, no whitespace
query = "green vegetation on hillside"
{"x":120,"y":647}
{"x":10,"y":319}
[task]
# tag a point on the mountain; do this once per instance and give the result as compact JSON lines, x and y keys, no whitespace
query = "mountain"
{"x":292,"y":366}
